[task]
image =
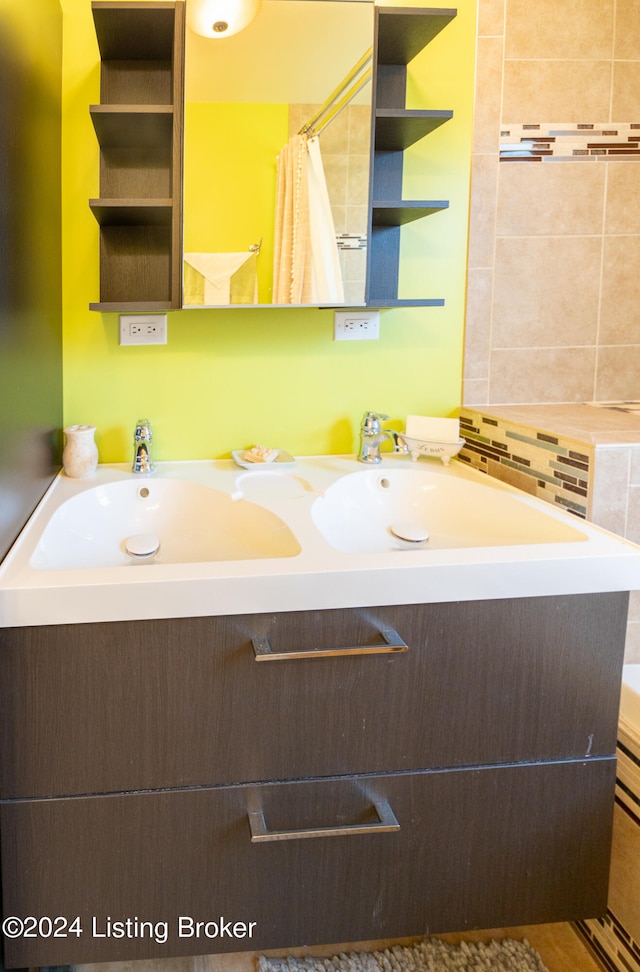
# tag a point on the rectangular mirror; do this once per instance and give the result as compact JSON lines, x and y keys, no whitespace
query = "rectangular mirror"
{"x":247,"y":98}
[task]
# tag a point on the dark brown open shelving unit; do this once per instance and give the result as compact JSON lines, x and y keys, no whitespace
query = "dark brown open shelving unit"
{"x":400,"y":34}
{"x":128,"y":126}
{"x":139,"y":127}
{"x":396,"y":130}
{"x":392,"y":213}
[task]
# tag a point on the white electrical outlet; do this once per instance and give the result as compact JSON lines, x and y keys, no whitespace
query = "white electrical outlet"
{"x":143,"y":328}
{"x":356,"y":325}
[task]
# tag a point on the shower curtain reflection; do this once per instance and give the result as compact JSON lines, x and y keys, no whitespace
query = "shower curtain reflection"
{"x":306,"y":265}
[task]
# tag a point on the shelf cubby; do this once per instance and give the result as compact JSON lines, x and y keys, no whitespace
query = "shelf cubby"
{"x":139,"y":125}
{"x":400,"y":34}
{"x":396,"y":130}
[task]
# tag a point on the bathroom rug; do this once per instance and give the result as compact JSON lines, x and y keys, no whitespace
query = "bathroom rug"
{"x":431,"y":955}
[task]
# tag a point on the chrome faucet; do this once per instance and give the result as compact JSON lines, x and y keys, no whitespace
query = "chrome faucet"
{"x":142,"y":457}
{"x":372,"y":435}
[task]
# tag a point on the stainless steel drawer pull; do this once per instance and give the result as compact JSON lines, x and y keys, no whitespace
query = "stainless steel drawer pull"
{"x":392,"y":643}
{"x":385,"y":824}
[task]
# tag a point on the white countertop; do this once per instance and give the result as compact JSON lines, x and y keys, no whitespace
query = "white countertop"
{"x":319,"y":576}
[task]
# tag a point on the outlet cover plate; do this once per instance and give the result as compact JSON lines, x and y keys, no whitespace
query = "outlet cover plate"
{"x":143,"y":329}
{"x":356,"y":325}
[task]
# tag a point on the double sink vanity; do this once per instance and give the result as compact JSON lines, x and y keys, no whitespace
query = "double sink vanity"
{"x":290,"y":726}
{"x":313,"y":701}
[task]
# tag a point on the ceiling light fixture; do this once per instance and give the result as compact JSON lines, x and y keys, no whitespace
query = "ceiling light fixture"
{"x":220,"y":18}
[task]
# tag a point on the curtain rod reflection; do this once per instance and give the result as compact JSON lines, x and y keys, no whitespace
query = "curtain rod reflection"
{"x":346,"y":91}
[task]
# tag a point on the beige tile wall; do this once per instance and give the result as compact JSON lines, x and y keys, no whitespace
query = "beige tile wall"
{"x":615,"y":505}
{"x":553,"y":303}
{"x":584,"y":460}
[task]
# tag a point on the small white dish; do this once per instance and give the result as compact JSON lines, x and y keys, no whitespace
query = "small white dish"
{"x":282,"y":459}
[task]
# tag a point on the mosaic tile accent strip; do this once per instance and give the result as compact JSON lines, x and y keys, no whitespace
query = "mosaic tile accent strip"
{"x":351,"y":241}
{"x":570,"y":143}
{"x":553,"y":468}
{"x":607,"y":937}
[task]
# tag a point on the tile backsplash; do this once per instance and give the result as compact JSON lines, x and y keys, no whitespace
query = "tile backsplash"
{"x":552,"y":467}
{"x":582,"y":459}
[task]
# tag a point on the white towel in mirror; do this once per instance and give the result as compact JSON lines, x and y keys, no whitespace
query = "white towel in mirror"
{"x":215,"y":279}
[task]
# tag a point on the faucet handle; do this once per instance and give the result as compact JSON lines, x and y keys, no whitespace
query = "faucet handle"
{"x":143,"y":430}
{"x":371,"y":421}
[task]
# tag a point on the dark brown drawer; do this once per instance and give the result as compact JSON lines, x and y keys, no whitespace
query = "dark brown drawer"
{"x":475,"y":848}
{"x":128,"y":706}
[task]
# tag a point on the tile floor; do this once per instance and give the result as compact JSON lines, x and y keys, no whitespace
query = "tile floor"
{"x":559,"y":946}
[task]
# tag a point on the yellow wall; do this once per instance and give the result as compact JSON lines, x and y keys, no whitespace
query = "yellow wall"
{"x":230,"y":155}
{"x":230,"y":378}
{"x":30,"y":258}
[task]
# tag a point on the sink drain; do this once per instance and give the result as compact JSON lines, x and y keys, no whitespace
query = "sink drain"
{"x":142,"y":545}
{"x":410,"y":532}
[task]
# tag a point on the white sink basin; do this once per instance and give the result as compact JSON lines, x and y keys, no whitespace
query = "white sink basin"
{"x":162,"y":521}
{"x":314,"y":539}
{"x":385,"y":509}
